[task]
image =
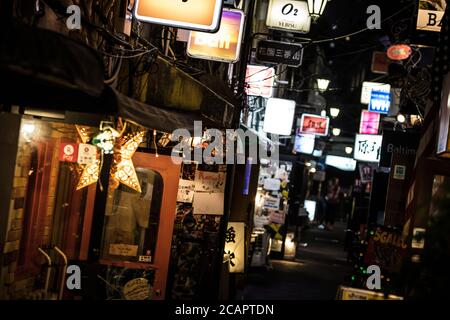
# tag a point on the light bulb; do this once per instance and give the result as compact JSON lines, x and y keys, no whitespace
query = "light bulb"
{"x":401,"y":118}
{"x":348,"y":150}
{"x":334,"y":112}
{"x":336,"y":132}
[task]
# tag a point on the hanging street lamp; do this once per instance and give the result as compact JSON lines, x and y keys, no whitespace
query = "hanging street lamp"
{"x":323,"y":84}
{"x":334,"y":112}
{"x":316,"y":8}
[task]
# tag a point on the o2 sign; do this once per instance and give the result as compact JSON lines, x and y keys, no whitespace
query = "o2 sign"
{"x":289,"y":9}
{"x":289,"y":15}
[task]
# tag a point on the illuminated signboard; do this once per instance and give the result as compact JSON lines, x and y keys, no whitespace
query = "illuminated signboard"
{"x":430,"y":15}
{"x":399,"y":52}
{"x":279,"y":116}
{"x":304,"y":143}
{"x":224,"y":45}
{"x":288,"y":15}
{"x":235,"y":246}
{"x":314,"y":124}
{"x":380,"y":102}
{"x":260,"y":81}
{"x":368,"y":147}
{"x":201,"y":15}
{"x":370,"y":122}
{"x":342,"y":163}
{"x":367,"y":88}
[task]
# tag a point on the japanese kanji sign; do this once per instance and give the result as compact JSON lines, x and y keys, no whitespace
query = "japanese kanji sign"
{"x":276,"y":52}
{"x":368,"y":147}
{"x":235,"y":246}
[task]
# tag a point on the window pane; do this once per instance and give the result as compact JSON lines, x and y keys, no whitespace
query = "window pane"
{"x":132,"y":219}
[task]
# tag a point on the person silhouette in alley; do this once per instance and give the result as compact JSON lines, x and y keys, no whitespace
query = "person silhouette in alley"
{"x":332,"y":201}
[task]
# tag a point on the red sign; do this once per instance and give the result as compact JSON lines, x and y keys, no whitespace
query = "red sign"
{"x":370,"y":122}
{"x":314,"y":124}
{"x":68,"y":152}
{"x":399,"y":52}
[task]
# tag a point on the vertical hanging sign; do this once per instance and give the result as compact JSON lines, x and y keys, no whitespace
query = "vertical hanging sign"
{"x":235,"y":246}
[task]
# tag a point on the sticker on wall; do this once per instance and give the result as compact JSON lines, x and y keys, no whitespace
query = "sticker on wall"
{"x":186,"y":191}
{"x":272,"y":184}
{"x":399,"y":172}
{"x":418,"y":239}
{"x":276,"y":216}
{"x":271,"y":202}
{"x":87,"y":153}
{"x":68,"y":152}
{"x":120,"y":249}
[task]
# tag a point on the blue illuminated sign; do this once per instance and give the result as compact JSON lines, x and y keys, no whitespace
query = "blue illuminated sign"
{"x":380,"y":102}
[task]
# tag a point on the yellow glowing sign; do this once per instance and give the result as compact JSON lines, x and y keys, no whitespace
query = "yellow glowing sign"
{"x":235,"y":246}
{"x":202,"y":15}
{"x":223,"y":45}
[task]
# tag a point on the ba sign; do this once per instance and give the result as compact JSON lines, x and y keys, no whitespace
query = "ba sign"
{"x":380,"y":102}
{"x":430,"y":15}
{"x":289,"y":15}
{"x":202,"y":15}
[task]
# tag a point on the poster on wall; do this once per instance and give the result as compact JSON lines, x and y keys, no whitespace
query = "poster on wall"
{"x":208,"y":203}
{"x":314,"y":124}
{"x":222,"y":46}
{"x":206,"y":181}
{"x":235,"y":246}
{"x":386,"y":249}
{"x":289,"y":15}
{"x":429,"y":17}
{"x":202,"y":15}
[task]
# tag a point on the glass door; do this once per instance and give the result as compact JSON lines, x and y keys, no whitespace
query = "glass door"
{"x":138,"y":230}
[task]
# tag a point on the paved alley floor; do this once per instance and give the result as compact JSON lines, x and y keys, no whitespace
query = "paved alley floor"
{"x":315,"y":274}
